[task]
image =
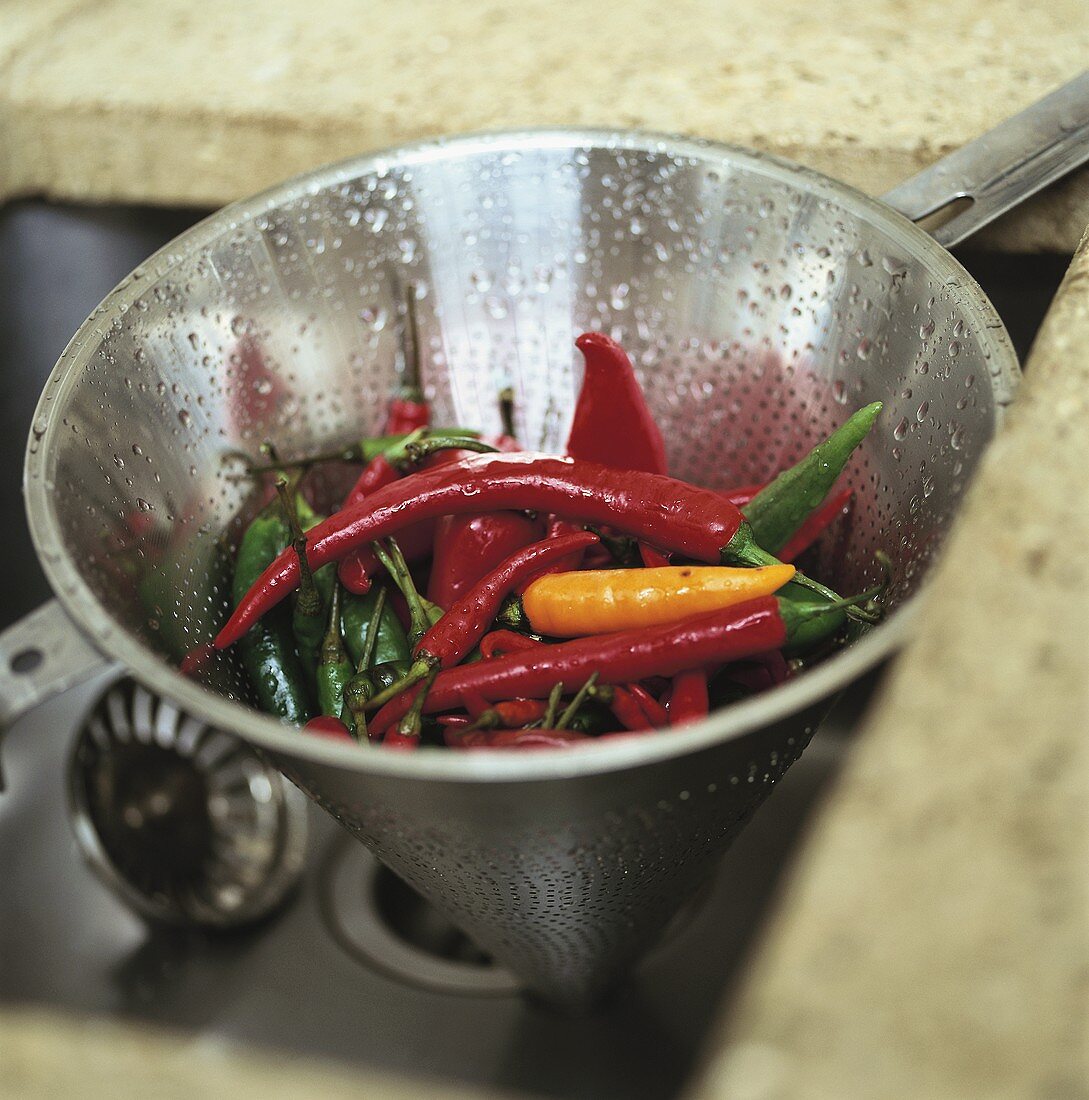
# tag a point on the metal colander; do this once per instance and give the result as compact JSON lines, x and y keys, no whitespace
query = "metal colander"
{"x":761,"y":304}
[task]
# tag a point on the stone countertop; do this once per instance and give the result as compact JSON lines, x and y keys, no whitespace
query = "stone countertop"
{"x":53,"y":1056}
{"x":159,"y":101}
{"x":934,"y":939}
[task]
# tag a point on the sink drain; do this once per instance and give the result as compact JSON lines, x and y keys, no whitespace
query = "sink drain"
{"x":383,"y":922}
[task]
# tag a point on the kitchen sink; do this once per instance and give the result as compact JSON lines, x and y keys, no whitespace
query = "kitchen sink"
{"x":354,"y":967}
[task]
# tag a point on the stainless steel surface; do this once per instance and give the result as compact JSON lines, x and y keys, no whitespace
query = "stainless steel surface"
{"x":1002,"y":167}
{"x":291,"y":983}
{"x":751,"y":292}
{"x":186,"y":824}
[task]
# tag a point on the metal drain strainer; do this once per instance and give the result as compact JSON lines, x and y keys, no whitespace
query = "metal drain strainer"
{"x":187,"y":824}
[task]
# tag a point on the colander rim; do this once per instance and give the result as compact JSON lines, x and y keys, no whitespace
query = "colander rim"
{"x":91,"y":617}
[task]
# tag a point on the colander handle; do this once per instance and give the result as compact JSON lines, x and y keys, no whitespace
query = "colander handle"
{"x":41,"y":656}
{"x":1003,"y":167}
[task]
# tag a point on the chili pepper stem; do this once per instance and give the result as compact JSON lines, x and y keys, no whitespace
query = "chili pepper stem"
{"x":417,"y":452}
{"x":309,"y":599}
{"x":572,"y":707}
{"x":366,"y":658}
{"x":506,"y":411}
{"x":420,"y":670}
{"x":411,"y":388}
{"x":554,"y":697}
{"x":413,"y":719}
{"x":394,"y":561}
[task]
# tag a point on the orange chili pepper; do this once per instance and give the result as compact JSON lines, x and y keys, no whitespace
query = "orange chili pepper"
{"x":602,"y":601}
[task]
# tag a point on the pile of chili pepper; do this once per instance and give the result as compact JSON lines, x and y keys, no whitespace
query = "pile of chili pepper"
{"x":471,"y":594}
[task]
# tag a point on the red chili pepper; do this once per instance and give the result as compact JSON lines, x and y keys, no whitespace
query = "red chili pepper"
{"x":652,"y":558}
{"x":655,"y":712}
{"x":612,"y":424}
{"x":673,"y":515}
{"x":689,"y":699}
{"x":406,"y":415}
{"x":506,"y":714}
{"x":377,"y":473}
{"x":464,"y":624}
{"x":628,"y":712}
{"x":499,"y":642}
{"x":815,"y":526}
{"x":742,"y":495}
{"x":625,"y":657}
{"x":325,"y":725}
{"x":467,"y":548}
{"x":356,"y":570}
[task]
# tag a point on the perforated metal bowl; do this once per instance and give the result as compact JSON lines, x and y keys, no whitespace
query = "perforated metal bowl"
{"x":761,"y":303}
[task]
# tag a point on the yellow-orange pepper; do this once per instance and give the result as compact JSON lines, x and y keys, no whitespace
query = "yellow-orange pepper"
{"x":600,"y":601}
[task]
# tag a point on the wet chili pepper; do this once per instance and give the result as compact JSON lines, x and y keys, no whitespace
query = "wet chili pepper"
{"x":671,"y":514}
{"x":456,"y":632}
{"x":325,"y":725}
{"x":308,"y":617}
{"x":763,"y":624}
{"x":603,"y":601}
{"x":508,"y":714}
{"x":816,"y":523}
{"x":467,"y":548}
{"x":651,"y":557}
{"x":777,"y":512}
{"x":377,"y":473}
{"x":358,"y":620}
{"x":360,"y":687}
{"x":268,"y":652}
{"x":655,"y":712}
{"x":498,"y":642}
{"x":628,"y":712}
{"x":612,"y":424}
{"x":688,"y":701}
{"x":334,"y":666}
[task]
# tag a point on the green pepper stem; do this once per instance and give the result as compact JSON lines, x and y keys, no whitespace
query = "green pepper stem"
{"x":418,"y":671}
{"x":394,"y":561}
{"x":506,"y":412}
{"x":366,"y":658}
{"x":363,"y":451}
{"x":411,"y":389}
{"x":332,"y":646}
{"x":309,"y":599}
{"x":554,"y":697}
{"x":417,"y":452}
{"x":573,"y":707}
{"x":413,"y":719}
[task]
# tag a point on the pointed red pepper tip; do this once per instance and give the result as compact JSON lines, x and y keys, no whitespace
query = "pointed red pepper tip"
{"x":590,"y":340}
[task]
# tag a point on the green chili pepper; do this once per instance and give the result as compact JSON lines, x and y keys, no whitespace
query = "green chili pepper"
{"x":783,"y":505}
{"x":268,"y":650}
{"x":360,"y":688}
{"x":308,"y":619}
{"x":335,"y":667}
{"x":357,"y":619}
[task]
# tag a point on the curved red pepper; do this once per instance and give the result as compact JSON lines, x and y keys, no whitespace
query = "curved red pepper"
{"x":612,"y":423}
{"x":727,"y":635}
{"x":671,"y":514}
{"x":467,"y":548}
{"x":689,"y":699}
{"x":498,"y":642}
{"x":466,"y":622}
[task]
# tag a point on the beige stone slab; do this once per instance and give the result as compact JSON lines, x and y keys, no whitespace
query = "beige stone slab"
{"x":934,"y":939}
{"x":166,"y":101}
{"x":48,"y":1056}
